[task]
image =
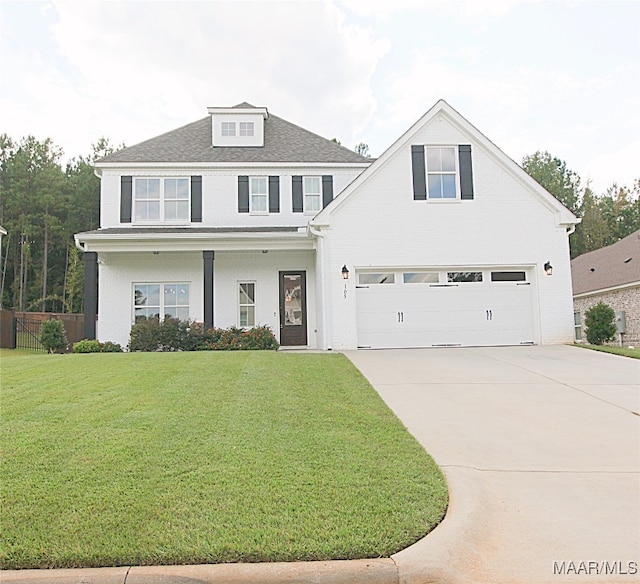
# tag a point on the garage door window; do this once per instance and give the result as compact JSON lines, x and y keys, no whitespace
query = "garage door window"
{"x":420,"y":277}
{"x":464,"y":277}
{"x":379,"y":278}
{"x":508,"y":277}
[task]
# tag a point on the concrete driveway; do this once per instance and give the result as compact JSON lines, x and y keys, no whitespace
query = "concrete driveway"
{"x":541,"y":450}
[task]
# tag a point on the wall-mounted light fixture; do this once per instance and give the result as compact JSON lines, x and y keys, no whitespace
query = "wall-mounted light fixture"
{"x":548,"y":268}
{"x":345,"y":272}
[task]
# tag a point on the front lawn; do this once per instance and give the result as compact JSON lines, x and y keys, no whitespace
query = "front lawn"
{"x":179,"y":458}
{"x":624,"y":351}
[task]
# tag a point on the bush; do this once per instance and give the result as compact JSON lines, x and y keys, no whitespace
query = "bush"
{"x":91,"y":346}
{"x":109,"y":347}
{"x":53,"y":337}
{"x":600,"y":321}
{"x":176,"y":335}
{"x":86,"y":346}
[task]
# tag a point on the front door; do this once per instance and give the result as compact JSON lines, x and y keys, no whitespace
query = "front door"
{"x":293,"y":308}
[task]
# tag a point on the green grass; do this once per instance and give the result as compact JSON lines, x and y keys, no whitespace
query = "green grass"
{"x":624,"y":351}
{"x":173,"y":458}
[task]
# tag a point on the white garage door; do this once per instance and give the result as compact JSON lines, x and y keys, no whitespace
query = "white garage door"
{"x":444,"y":308}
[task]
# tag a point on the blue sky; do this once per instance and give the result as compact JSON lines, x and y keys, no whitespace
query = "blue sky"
{"x":530,"y":75}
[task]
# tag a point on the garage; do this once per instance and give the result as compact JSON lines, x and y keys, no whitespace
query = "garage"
{"x":456,"y":307}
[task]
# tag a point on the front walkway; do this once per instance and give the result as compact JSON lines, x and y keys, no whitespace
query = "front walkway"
{"x":541,"y":450}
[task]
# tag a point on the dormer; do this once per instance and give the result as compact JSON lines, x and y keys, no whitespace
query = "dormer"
{"x":242,"y":125}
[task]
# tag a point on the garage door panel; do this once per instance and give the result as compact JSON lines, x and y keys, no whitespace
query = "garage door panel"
{"x":424,"y":315}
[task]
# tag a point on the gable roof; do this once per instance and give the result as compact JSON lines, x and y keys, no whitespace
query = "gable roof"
{"x":607,"y":267}
{"x":283,"y":142}
{"x":564,"y":215}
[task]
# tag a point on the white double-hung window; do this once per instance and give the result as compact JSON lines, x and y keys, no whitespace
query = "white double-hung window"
{"x":247,"y":304}
{"x":161,"y":199}
{"x":258,"y":194}
{"x":312,"y":189}
{"x":441,"y":172}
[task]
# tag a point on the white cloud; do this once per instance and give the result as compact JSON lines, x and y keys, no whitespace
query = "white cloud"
{"x":142,"y":62}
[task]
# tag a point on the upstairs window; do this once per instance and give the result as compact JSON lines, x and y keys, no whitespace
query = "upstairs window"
{"x":228,"y":128}
{"x":159,"y":200}
{"x":312,"y":189}
{"x":258,"y":194}
{"x":441,"y":172}
{"x":246,"y":129}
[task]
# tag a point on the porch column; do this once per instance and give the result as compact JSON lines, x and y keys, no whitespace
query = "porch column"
{"x":208,"y":257}
{"x":90,"y":294}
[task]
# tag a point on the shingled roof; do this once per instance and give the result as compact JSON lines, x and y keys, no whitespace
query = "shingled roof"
{"x":615,"y":265}
{"x":283,"y":142}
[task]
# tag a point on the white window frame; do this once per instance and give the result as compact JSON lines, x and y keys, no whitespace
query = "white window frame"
{"x":577,"y":326}
{"x":228,"y":129}
{"x":162,"y":200}
{"x":250,"y":323}
{"x":306,"y":195}
{"x":439,"y":172}
{"x":252,"y":208}
{"x":162,"y":305}
{"x":246,"y":129}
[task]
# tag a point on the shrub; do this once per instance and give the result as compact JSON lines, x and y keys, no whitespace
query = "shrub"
{"x":91,"y":346}
{"x":169,"y":335}
{"x":600,"y":323}
{"x":175,"y":335}
{"x":53,"y":337}
{"x":86,"y":346}
{"x":109,"y":347}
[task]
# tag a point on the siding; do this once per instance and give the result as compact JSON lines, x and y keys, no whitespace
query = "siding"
{"x":505,"y":225}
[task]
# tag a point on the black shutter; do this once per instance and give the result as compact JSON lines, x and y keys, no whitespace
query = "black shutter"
{"x":419,"y":173}
{"x":327,"y":190}
{"x":196,"y":199}
{"x":274,"y":194}
{"x":243,"y":194}
{"x":466,"y":172}
{"x":126,"y":198}
{"x":296,"y":194}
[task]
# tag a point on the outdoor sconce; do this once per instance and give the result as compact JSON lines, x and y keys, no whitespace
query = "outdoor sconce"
{"x":345,"y":272}
{"x":548,"y":268}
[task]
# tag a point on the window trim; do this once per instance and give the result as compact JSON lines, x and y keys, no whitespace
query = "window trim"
{"x":244,"y":132}
{"x":246,"y":305}
{"x":161,"y":292}
{"x":455,"y":172}
{"x":226,"y":128}
{"x":162,"y":200}
{"x":264,"y":211}
{"x":305,"y":207}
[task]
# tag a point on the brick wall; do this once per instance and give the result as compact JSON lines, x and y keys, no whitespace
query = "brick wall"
{"x":627,"y":299}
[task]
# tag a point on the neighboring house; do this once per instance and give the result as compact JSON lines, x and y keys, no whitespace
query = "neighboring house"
{"x":610,"y":275}
{"x":244,"y":219}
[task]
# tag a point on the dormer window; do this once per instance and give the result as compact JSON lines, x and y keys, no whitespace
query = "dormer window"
{"x":239,"y":126}
{"x":246,"y":128}
{"x":228,"y":129}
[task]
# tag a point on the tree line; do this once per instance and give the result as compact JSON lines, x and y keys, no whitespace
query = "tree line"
{"x":43,"y":203}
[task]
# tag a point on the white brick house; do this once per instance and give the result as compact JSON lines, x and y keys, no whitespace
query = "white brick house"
{"x":244,"y":219}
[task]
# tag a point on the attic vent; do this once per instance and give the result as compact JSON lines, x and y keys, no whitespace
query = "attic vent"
{"x":627,"y":260}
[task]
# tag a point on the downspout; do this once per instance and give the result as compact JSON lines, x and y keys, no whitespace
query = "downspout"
{"x":323,"y":243}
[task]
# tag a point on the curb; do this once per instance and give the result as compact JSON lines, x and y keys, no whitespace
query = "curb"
{"x":376,"y":571}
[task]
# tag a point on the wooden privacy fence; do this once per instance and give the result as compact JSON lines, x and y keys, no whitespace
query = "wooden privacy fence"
{"x":21,"y":330}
